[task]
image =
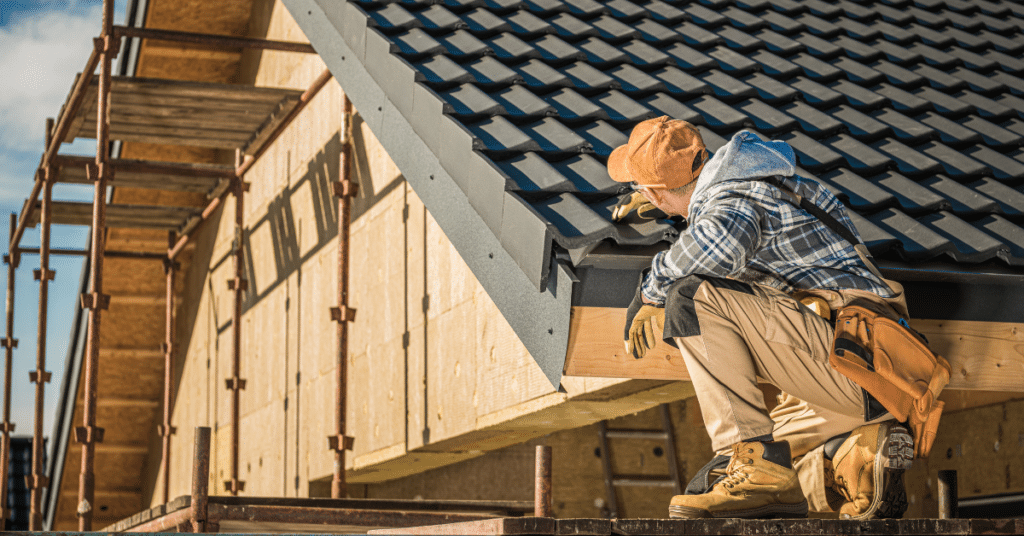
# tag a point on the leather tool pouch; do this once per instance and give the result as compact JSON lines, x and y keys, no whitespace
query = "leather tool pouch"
{"x":893,"y":364}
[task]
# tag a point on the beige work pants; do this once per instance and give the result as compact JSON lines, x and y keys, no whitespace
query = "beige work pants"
{"x":734,"y":335}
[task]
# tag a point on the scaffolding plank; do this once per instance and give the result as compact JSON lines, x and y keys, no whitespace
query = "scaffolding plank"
{"x":124,"y":216}
{"x":198,"y":178}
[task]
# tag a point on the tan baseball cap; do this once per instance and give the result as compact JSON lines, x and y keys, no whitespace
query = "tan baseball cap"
{"x":661,"y":153}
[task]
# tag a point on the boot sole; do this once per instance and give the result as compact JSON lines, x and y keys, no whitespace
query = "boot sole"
{"x":895,"y":455}
{"x":770,"y":511}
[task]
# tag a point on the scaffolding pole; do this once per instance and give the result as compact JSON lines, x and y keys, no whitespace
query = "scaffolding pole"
{"x":238,"y":284}
{"x":40,"y":376}
{"x":89,"y":434}
{"x":165,"y":429}
{"x":9,"y":343}
{"x":345,"y":189}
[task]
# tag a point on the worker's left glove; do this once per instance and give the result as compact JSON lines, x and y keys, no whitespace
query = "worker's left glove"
{"x":641,"y":320}
{"x":636,"y":202}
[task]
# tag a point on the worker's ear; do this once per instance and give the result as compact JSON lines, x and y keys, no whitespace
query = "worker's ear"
{"x":656,"y":195}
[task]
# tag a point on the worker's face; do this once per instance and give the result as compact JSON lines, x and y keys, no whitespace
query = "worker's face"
{"x":668,"y":202}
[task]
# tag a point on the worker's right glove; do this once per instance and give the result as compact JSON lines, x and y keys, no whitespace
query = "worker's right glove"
{"x":636,"y":202}
{"x":641,"y":320}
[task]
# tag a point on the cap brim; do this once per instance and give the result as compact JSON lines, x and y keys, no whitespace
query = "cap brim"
{"x":617,"y":165}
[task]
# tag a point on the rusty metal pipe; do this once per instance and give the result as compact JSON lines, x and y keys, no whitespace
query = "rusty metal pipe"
{"x":40,"y":376}
{"x":345,"y":190}
{"x":177,"y":248}
{"x":307,"y":515}
{"x":166,"y":430}
{"x":948,"y":495}
{"x":6,"y":427}
{"x":542,"y":482}
{"x":85,"y":253}
{"x":222,"y":41}
{"x":167,"y":523}
{"x":304,"y":100}
{"x":200,"y":479}
{"x":90,"y":434}
{"x":143,"y":166}
{"x":238,"y":285}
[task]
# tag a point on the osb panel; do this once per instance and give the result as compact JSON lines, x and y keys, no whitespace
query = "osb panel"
{"x":135,"y":277}
{"x":262,"y":463}
{"x":140,"y":378}
{"x":378,"y":397}
{"x":125,"y":478}
{"x":127,"y":325}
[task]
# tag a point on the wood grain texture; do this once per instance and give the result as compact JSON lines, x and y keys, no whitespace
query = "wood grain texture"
{"x":984,"y":356}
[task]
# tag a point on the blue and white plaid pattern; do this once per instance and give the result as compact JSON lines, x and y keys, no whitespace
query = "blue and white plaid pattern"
{"x":749,"y":231}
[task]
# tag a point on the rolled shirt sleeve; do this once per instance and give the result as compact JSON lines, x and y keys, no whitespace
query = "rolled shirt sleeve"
{"x":719,"y":242}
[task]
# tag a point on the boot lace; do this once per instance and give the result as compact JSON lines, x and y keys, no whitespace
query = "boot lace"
{"x":737,"y":472}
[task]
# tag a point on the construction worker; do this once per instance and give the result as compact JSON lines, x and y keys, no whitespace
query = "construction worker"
{"x":727,"y":296}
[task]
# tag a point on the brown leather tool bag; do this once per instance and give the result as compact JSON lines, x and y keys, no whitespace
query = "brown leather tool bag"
{"x":893,"y":364}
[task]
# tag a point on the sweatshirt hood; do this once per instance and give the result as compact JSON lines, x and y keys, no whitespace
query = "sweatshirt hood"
{"x":745,"y":157}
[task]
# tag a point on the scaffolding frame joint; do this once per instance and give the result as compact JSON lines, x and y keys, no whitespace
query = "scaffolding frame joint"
{"x":38,"y":274}
{"x":95,"y":300}
{"x":237,"y":283}
{"x":87,"y":435}
{"x":235,"y":384}
{"x":8,"y":343}
{"x":234,"y":486}
{"x":164,"y":431}
{"x":340,"y":442}
{"x":343,"y":314}
{"x":345,"y":188}
{"x":35,"y":375}
{"x":7,"y":427}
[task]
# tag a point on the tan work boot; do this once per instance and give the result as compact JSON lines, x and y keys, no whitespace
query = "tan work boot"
{"x":867,"y":472}
{"x":758,"y":484}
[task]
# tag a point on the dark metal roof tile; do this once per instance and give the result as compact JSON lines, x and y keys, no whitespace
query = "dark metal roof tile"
{"x":765,"y":118}
{"x":911,"y":197}
{"x":859,"y":97}
{"x":462,"y":44}
{"x":497,"y":135}
{"x":788,"y":7}
{"x":1011,"y":236}
{"x":857,"y":50}
{"x":857,"y":72}
{"x":994,"y":135}
{"x":508,"y":47}
{"x":526,"y":236}
{"x":858,"y":192}
{"x":468,"y":100}
{"x":940,"y":80}
{"x":965,"y":202}
{"x":521,"y":102}
{"x":644,"y":55}
{"x":416,"y":43}
{"x":933,"y":56}
{"x":954,"y":162}
{"x":528,"y":25}
{"x":545,"y":7}
{"x":587,"y":174}
{"x":974,"y":61}
{"x":739,"y":40}
{"x":909,"y":161}
{"x":904,"y":128}
{"x":588,"y":79}
{"x":1011,"y":200}
{"x":859,"y":157}
{"x":780,"y":44}
{"x":988,"y":39}
{"x":625,"y":10}
{"x":816,"y":94}
{"x":775,"y":66}
{"x":950,"y":132}
{"x":690,"y":59}
{"x":571,"y":106}
{"x":667,"y":105}
{"x":725,"y":87}
{"x":899,"y":54}
{"x":827,"y":10}
{"x":743,"y":20}
{"x":602,"y":136}
{"x":782,"y":23}
{"x":622,"y":109}
{"x":894,"y":15}
{"x":896,"y":34}
{"x":877,"y":239}
{"x":931,"y":37}
{"x":541,"y":76}
{"x":655,"y":32}
{"x":575,"y":223}
{"x":811,"y":154}
{"x":1014,"y":83}
{"x":860,"y":126}
{"x":1005,"y":62}
{"x":633,"y":80}
{"x":437,"y":18}
{"x":586,"y":8}
{"x":916,"y":241}
{"x":969,"y":244}
{"x":857,"y":30}
{"x":571,"y":28}
{"x":944,"y":104}
{"x":490,"y":72}
{"x":732,"y":62}
{"x":613,"y":29}
{"x":704,"y":16}
{"x":857,"y":11}
{"x":698,"y":37}
{"x":898,"y":76}
{"x":532,"y":173}
{"x":484,"y":22}
{"x":812,"y":121}
{"x":979,"y":83}
{"x":818,"y":26}
{"x":717,"y":115}
{"x":903,"y":101}
{"x":602,"y":54}
{"x":443,"y":71}
{"x":393,"y":17}
{"x":1003,"y":167}
{"x":985,"y":106}
{"x":554,"y":50}
{"x":554,"y":137}
{"x":816,"y":69}
{"x":664,"y":13}
{"x":680,"y":83}
{"x":770,"y":90}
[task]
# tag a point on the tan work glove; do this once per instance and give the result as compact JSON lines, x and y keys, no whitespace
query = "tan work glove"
{"x":642,"y":335}
{"x":635,"y":202}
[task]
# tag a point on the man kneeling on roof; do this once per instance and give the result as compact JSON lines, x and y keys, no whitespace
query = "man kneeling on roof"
{"x":734,"y":295}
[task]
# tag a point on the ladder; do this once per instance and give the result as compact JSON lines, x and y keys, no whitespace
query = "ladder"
{"x":611,"y":480}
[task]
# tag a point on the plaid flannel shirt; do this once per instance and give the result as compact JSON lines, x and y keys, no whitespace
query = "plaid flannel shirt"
{"x":749,"y":231}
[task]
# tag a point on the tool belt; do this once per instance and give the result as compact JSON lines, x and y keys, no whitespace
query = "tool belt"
{"x":875,"y":347}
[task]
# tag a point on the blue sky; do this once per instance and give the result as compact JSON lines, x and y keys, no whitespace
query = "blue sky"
{"x":44,"y":44}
